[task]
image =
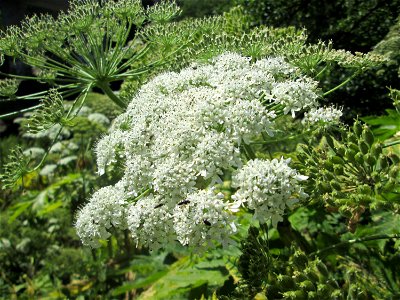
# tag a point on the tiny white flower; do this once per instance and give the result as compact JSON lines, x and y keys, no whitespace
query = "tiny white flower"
{"x":327,"y":115}
{"x":106,"y":208}
{"x":180,"y":134}
{"x":268,"y":187}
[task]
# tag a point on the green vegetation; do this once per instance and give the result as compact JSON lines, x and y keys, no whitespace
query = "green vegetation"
{"x":334,"y":235}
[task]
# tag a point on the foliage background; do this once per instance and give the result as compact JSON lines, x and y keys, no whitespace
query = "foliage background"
{"x":41,"y":256}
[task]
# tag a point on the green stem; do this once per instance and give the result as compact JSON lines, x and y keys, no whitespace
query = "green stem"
{"x":61,"y":128}
{"x":143,"y":194}
{"x":321,"y":72}
{"x":20,"y":111}
{"x":396,"y":142}
{"x":289,"y":138}
{"x":358,"y":240}
{"x":127,"y":243}
{"x":110,"y":248}
{"x":249,"y":151}
{"x":109,"y":92}
{"x":341,"y":85}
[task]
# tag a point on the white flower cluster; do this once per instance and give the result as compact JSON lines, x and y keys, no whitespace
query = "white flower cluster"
{"x":106,"y":208}
{"x":197,"y":220}
{"x":268,"y":187}
{"x":179,"y":135}
{"x":328,"y":115}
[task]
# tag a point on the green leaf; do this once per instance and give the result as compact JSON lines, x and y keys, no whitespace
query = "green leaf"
{"x":384,"y":127}
{"x":382,"y":223}
{"x":19,"y":209}
{"x":183,"y":277}
{"x":139,"y":283}
{"x":49,"y":208}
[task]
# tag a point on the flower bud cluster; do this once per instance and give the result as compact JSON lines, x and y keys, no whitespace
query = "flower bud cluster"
{"x":351,"y":174}
{"x":183,"y":131}
{"x":294,"y":275}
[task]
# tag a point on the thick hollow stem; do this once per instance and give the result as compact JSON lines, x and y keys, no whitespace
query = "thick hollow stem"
{"x":109,"y":92}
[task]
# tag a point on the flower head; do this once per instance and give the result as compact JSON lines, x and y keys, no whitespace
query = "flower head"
{"x":268,"y":187}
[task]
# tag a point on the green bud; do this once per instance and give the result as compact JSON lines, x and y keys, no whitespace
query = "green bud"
{"x":350,"y":154}
{"x":307,"y":285}
{"x":352,"y":138}
{"x":328,"y":165}
{"x":376,"y":176}
{"x":359,"y":158}
{"x":389,"y":185}
{"x":328,"y":175}
{"x":338,"y":170}
{"x":300,"y":277}
{"x":322,"y":268}
{"x":383,"y":161}
{"x":285,"y":282}
{"x":337,"y":160}
{"x":368,"y":136}
{"x":364,"y":189}
{"x":376,"y":150}
{"x":377,"y":187}
{"x":394,"y":158}
{"x":363,"y":147}
{"x":311,"y":275}
{"x":394,"y":171}
{"x":337,"y":294}
{"x":329,"y":141}
{"x":357,"y":128}
{"x":335,"y":185}
{"x":300,"y":259}
{"x":323,"y":187}
{"x":295,"y":295}
{"x":340,"y":150}
{"x":312,"y":295}
{"x":324,"y":291}
{"x":354,"y":147}
{"x":370,"y":159}
{"x":344,"y":210}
